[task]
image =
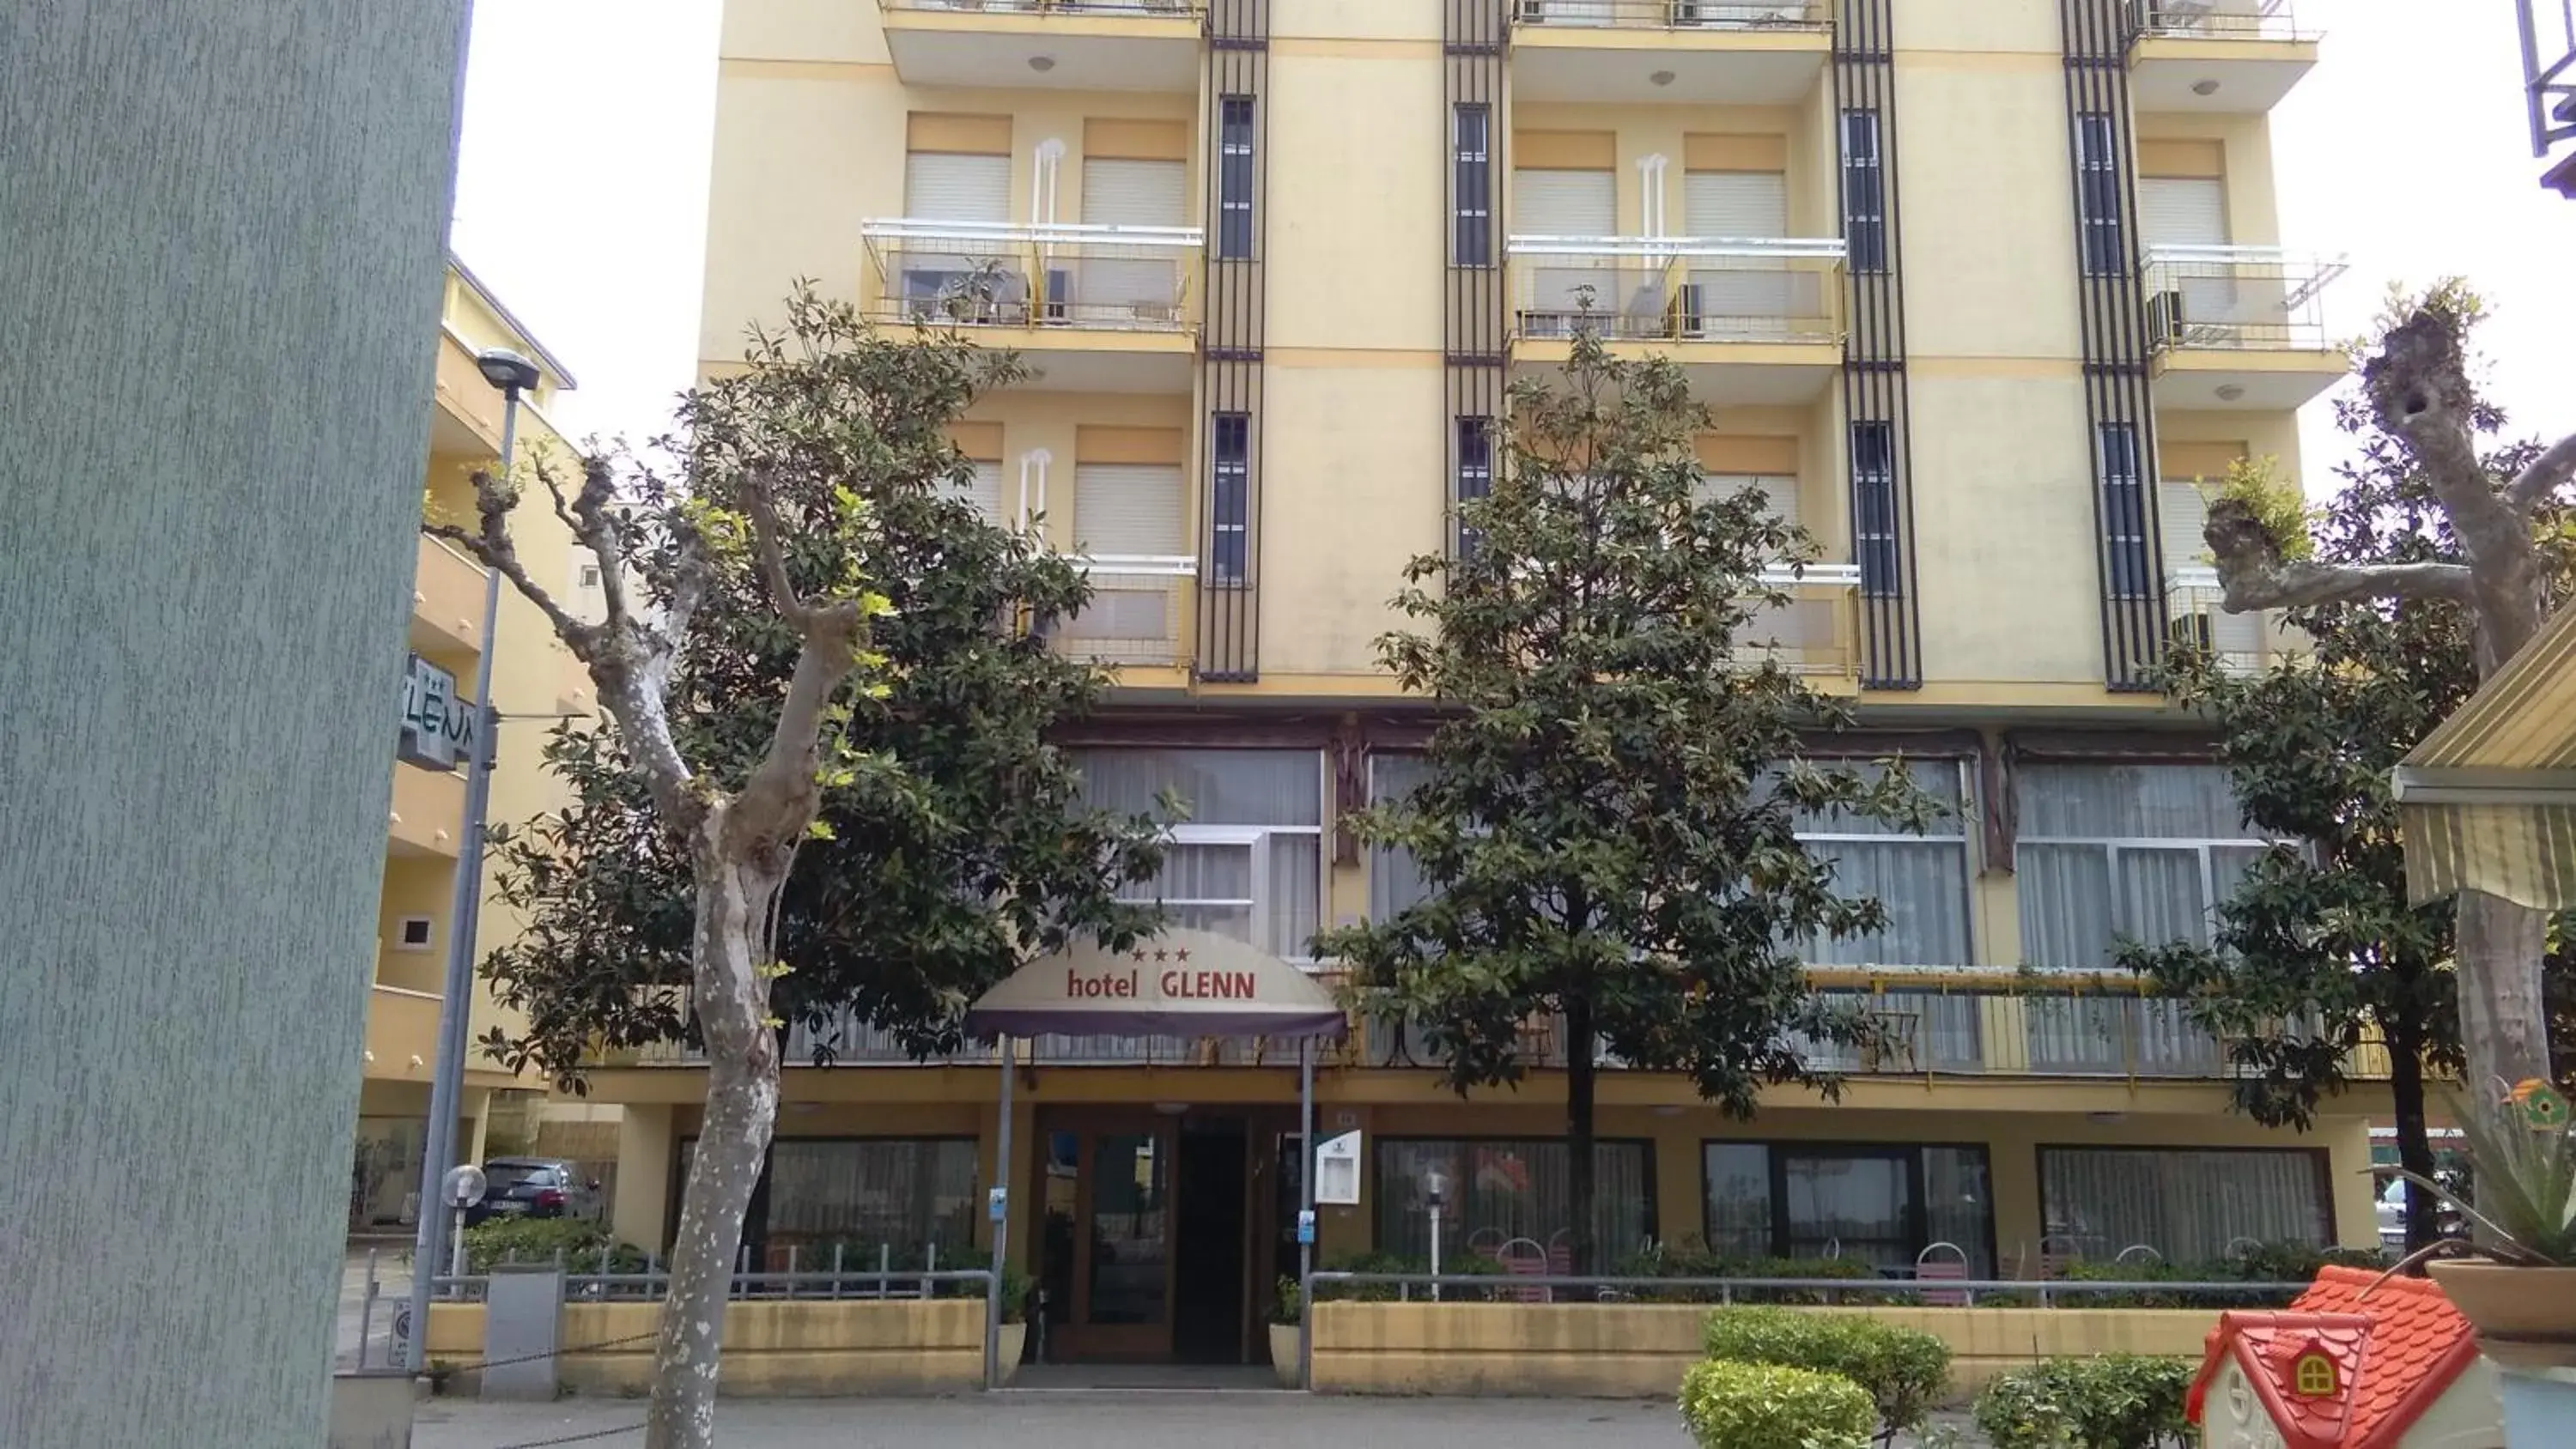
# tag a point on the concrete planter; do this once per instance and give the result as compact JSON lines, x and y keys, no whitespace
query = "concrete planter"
{"x":1011,"y":1342}
{"x":1285,"y":1342}
{"x":2526,"y":1322}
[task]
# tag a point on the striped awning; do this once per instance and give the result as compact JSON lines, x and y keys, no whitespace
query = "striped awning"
{"x":2489,"y":798}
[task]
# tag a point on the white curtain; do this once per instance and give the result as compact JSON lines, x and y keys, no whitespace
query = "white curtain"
{"x":1500,"y":1190}
{"x":1221,"y":787}
{"x":1922,"y":881}
{"x":2187,"y":1205}
{"x":906,"y":1195}
{"x":2144,"y":852}
{"x":1395,"y":881}
{"x":1231,"y":868}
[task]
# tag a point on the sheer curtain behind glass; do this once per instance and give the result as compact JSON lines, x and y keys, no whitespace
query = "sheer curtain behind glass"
{"x":1247,"y":862}
{"x":1922,"y":881}
{"x":1395,"y":882}
{"x":904,"y":1195}
{"x":2140,"y":851}
{"x":2188,"y":1206}
{"x":1500,"y":1190}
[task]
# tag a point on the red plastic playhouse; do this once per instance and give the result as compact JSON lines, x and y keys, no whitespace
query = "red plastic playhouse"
{"x":2355,"y":1363}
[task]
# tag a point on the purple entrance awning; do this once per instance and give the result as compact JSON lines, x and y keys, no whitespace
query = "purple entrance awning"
{"x":1178,"y":983}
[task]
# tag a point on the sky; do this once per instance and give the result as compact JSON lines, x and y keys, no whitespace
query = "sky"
{"x":582,"y":185}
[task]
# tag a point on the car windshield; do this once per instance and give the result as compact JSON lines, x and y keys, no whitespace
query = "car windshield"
{"x":503,"y":1176}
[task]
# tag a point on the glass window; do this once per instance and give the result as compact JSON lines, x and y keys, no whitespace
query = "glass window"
{"x":1885,"y":1205}
{"x":1508,"y":1198}
{"x":1864,"y":193}
{"x":1248,"y":863}
{"x":1234,"y":178}
{"x":1920,"y":880}
{"x":903,"y":1196}
{"x":1475,"y":470}
{"x":2142,"y":852}
{"x":1472,"y":187}
{"x":1873,"y":447}
{"x":2124,"y":514}
{"x":2190,"y":1206}
{"x":2097,"y":180}
{"x":1395,"y":882}
{"x":1130,"y":1228}
{"x":1230,"y":504}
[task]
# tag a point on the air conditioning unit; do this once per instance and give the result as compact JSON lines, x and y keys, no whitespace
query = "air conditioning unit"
{"x":2165,"y":319}
{"x":1532,"y":12}
{"x":2194,"y":630}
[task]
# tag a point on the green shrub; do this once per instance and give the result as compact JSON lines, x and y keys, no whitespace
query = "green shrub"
{"x":1690,"y":1259}
{"x":497,"y":1241}
{"x":1462,"y":1265}
{"x":2286,"y":1263}
{"x":2118,"y":1401}
{"x":1903,"y":1370}
{"x":1770,"y":1406}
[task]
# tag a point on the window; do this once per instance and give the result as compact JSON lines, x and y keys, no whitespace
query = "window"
{"x":2097,"y":195}
{"x":2142,"y":852}
{"x":1508,"y":1198}
{"x":908,"y":1198}
{"x":1472,"y":188}
{"x":1921,"y":880}
{"x":1882,"y":1204}
{"x":2190,"y":1206}
{"x":2131,"y":573}
{"x":1475,"y":471}
{"x":1395,"y":882}
{"x":1234,"y":179}
{"x":1873,"y":449}
{"x":1864,"y":193}
{"x":1249,"y":861}
{"x":1230,"y":500}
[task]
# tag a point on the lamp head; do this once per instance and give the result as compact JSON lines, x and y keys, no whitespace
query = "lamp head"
{"x":507,"y":371}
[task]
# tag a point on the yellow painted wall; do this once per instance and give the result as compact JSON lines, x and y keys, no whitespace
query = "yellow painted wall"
{"x":1356,"y":464}
{"x":1334,"y":280}
{"x":1413,"y":20}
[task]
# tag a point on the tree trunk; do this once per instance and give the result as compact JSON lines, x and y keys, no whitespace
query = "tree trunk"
{"x":2414,"y":1140}
{"x":2504,"y":1022}
{"x":1579,"y":1185}
{"x":732,"y":1008}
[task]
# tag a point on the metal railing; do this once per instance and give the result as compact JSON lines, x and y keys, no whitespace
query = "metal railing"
{"x":1675,"y":14}
{"x":1714,"y":289}
{"x":1468,"y":1288}
{"x":1157,"y":9}
{"x":2196,"y":611}
{"x":2215,"y":20}
{"x":2551,"y":83}
{"x":1086,"y":278}
{"x":2236,"y":298}
{"x":1817,"y":632}
{"x":1138,"y":613}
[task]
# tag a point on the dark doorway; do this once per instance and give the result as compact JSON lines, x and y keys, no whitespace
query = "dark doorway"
{"x":1208,"y":1305}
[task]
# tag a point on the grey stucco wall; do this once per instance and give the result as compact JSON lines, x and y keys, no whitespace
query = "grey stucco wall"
{"x":221,"y":231}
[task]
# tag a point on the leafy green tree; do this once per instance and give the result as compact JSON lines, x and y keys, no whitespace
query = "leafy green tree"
{"x":822,"y":779}
{"x":2322,"y":934}
{"x":1607,"y":826}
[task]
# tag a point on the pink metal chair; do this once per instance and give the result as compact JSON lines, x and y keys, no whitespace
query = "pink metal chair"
{"x":1526,"y":1258}
{"x":1929,"y":1268}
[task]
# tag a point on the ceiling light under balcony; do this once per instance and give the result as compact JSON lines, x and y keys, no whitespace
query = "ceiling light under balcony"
{"x":1042,"y":63}
{"x":2230,"y":392}
{"x":1660,"y":78}
{"x":2204,"y":87}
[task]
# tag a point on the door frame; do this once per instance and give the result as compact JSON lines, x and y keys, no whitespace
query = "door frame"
{"x":1907,"y":1157}
{"x":1077,"y":1337}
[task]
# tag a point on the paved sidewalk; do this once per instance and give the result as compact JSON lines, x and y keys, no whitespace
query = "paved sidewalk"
{"x":1121,"y":1419}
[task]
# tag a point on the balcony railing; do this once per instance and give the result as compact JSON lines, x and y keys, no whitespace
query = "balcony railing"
{"x":2549,"y":71}
{"x":1712,"y":289}
{"x":1088,"y":278}
{"x":1676,"y":14}
{"x":2215,"y":20}
{"x":1138,"y":606}
{"x":2196,"y":610}
{"x":1817,"y":632}
{"x":2231,"y":298}
{"x":1157,"y":8}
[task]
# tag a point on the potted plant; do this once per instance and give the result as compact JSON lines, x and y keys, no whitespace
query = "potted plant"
{"x":1287,"y":1332}
{"x":2518,"y":1282}
{"x":1014,"y":1337}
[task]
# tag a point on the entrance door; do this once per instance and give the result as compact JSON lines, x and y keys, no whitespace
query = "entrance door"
{"x":1858,"y":1203}
{"x":1145,"y":1254}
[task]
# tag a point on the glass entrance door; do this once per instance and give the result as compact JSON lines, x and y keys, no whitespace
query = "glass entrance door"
{"x":1858,"y":1203}
{"x":1107,"y":1248}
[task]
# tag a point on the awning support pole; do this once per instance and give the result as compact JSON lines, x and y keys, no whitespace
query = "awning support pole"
{"x":1001,"y":1214}
{"x":1306,"y":1210}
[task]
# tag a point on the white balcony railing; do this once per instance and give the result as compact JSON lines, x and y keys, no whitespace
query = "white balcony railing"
{"x":1718,"y":289}
{"x":1817,"y":632}
{"x":1138,"y":606}
{"x":1676,"y":14}
{"x":1160,"y":8}
{"x":2231,"y":298}
{"x":2215,"y":20}
{"x":1053,"y":274}
{"x":2196,"y":611}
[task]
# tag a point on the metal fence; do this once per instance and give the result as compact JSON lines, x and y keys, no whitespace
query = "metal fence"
{"x":2215,"y":20}
{"x":1674,"y":14}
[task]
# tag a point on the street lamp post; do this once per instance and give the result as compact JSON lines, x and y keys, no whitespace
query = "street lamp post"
{"x":513,"y":376}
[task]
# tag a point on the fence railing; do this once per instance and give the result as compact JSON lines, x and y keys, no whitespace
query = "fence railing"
{"x":1181,"y":9}
{"x":2232,"y":298}
{"x":1088,"y":278}
{"x":1464,"y":1288}
{"x":2215,"y":20}
{"x":2196,"y":611}
{"x":1675,"y":14}
{"x":2549,"y":71}
{"x":1138,"y":614}
{"x":1714,"y":289}
{"x":1817,"y":632}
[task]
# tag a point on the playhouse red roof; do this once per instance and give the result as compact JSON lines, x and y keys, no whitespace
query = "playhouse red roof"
{"x":2397,"y":1347}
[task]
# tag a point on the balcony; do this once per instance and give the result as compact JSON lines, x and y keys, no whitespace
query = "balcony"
{"x":2242,"y":644}
{"x":428,"y":808}
{"x":2239,"y":327}
{"x":2238,"y":56}
{"x":466,"y":423}
{"x":1753,"y":321}
{"x":1089,"y":45}
{"x":1139,"y":613}
{"x":402,"y":1034}
{"x":1117,"y":311}
{"x":446,"y":601}
{"x":1670,"y":52}
{"x":1817,"y":633}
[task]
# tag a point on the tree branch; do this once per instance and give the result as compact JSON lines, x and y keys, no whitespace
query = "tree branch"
{"x":491,"y":547}
{"x":2547,"y":474}
{"x":781,"y":794}
{"x":2254,"y":575}
{"x":769,"y":547}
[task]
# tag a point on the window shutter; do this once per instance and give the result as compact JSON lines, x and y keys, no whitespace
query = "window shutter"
{"x":943,"y":186}
{"x":1735,"y":204}
{"x":1127,"y":509}
{"x":2179,"y":212}
{"x":1565,"y":203}
{"x":984,"y":492}
{"x":1780,"y":494}
{"x":2180,"y":512}
{"x":1134,"y":193}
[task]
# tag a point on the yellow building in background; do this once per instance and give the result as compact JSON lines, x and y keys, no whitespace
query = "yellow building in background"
{"x":533,"y":677}
{"x":1974,"y":290}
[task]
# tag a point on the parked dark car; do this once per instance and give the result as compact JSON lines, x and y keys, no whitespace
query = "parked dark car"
{"x":534,"y":1187}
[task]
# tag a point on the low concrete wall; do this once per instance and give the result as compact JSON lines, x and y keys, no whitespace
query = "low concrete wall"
{"x":1641,"y":1350}
{"x":770,"y":1348}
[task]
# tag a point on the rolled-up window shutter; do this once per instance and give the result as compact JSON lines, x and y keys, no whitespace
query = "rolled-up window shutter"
{"x":984,"y":491}
{"x":943,"y":186}
{"x":1735,"y":204}
{"x":1127,"y":509}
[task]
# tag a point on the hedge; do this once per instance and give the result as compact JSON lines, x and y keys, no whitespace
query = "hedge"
{"x":1903,"y":1370}
{"x":1770,"y":1406}
{"x":2117,"y":1401}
